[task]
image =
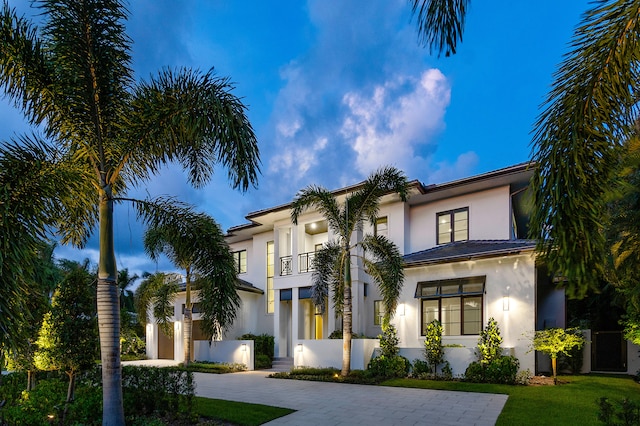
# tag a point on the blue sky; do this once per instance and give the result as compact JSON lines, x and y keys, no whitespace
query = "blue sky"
{"x":336,"y":89}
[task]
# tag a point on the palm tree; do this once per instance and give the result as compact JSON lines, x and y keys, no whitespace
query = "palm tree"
{"x":124,"y":282}
{"x":103,"y":135}
{"x":588,"y":115}
{"x":198,"y":248}
{"x":332,"y":263}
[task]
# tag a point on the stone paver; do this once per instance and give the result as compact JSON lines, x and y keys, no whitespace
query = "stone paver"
{"x":319,"y":403}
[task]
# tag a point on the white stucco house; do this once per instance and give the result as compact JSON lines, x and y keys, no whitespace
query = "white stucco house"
{"x":467,"y":260}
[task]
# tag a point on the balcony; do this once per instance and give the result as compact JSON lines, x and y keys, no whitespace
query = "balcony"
{"x":286,"y":265}
{"x":305,"y":262}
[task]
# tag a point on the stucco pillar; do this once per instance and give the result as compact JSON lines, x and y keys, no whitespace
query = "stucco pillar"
{"x":295,"y":316}
{"x":276,"y":324}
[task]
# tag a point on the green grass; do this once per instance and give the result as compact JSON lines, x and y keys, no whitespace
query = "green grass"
{"x":571,"y":402}
{"x":239,"y":413}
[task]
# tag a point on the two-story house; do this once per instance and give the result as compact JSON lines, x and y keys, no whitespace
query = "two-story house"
{"x":467,"y":260}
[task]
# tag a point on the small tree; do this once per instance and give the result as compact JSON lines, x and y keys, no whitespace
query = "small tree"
{"x":554,"y":341}
{"x":489,"y":343}
{"x":389,"y":339}
{"x":433,"y":350}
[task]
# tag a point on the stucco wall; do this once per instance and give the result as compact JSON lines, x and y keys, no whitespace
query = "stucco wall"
{"x":328,"y":353}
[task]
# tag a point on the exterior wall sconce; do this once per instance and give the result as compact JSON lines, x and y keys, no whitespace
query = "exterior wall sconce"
{"x":244,"y":347}
{"x":299,"y":347}
{"x":401,"y":309}
{"x":505,"y":303}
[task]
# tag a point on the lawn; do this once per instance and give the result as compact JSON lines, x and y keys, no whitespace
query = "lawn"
{"x":239,"y":413}
{"x":571,"y":402}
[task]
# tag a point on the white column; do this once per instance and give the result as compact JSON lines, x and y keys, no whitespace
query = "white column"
{"x":276,"y":324}
{"x":294,"y":249}
{"x":295,"y":312}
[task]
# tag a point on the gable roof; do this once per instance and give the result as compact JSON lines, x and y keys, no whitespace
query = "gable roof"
{"x":240,"y":285}
{"x":467,"y":250}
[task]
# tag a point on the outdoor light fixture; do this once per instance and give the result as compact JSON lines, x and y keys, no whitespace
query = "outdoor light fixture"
{"x":299,"y":347}
{"x":401,"y":309}
{"x":505,"y":303}
{"x":244,"y":347}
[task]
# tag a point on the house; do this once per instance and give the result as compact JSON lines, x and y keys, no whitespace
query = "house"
{"x":467,"y":260}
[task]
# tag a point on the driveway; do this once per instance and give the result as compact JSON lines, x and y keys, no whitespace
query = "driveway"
{"x":319,"y":403}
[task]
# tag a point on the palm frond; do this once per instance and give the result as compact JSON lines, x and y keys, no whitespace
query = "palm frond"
{"x":440,"y":23}
{"x":192,"y":118}
{"x":589,"y":112}
{"x":386,"y":268}
{"x":327,"y":275}
{"x":323,"y":201}
{"x":162,"y":304}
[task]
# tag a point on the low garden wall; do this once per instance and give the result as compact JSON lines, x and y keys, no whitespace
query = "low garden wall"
{"x":226,"y":351}
{"x":328,"y":353}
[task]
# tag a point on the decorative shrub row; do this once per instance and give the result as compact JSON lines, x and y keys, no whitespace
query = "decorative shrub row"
{"x":264,"y":349}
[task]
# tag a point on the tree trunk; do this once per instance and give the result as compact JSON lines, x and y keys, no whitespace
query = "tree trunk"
{"x":29,"y":380}
{"x":70,"y":394}
{"x":188,"y":321}
{"x":109,"y":318}
{"x":553,"y":367}
{"x":347,"y":318}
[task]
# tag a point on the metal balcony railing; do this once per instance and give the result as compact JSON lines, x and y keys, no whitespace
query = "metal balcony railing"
{"x":305,"y":262}
{"x":286,"y":265}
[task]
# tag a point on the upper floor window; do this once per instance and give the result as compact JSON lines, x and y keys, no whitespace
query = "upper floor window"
{"x":381,"y":227}
{"x":241,"y":261}
{"x":453,"y":225}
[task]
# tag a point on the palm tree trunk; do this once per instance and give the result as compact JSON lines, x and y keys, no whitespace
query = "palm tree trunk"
{"x":347,"y":318}
{"x":29,"y":380}
{"x":188,"y":322}
{"x":109,"y":318}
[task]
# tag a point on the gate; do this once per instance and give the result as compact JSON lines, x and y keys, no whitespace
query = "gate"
{"x":608,"y":351}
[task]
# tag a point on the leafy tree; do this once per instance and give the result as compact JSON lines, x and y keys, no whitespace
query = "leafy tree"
{"x":554,"y":341}
{"x":103,"y":134}
{"x":197,"y":247}
{"x":68,"y":338}
{"x":489,"y":343}
{"x":589,"y":113}
{"x":433,"y":350}
{"x":333,"y":262}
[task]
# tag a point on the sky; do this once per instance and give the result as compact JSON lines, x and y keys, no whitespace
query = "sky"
{"x":338,"y":88}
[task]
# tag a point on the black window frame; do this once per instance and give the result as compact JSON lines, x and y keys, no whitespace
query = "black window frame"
{"x":452,"y":232}
{"x":436,"y":292}
{"x":237,"y":256}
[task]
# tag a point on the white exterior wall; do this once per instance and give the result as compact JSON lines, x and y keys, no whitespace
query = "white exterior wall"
{"x":516,"y":272}
{"x":489,"y":217}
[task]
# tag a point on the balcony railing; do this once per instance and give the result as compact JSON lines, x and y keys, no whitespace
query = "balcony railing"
{"x":286,"y":265}
{"x":305,"y":262}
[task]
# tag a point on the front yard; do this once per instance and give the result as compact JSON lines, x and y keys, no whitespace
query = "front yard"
{"x":572,"y":402}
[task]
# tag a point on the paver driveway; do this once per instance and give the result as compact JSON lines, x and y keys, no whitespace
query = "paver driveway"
{"x":320,"y":403}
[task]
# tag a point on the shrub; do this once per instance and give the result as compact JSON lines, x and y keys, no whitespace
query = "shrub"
{"x":627,"y":411}
{"x":474,"y":373}
{"x":420,"y":368}
{"x":262,"y":361}
{"x":502,"y":370}
{"x":148,"y":390}
{"x":523,"y":377}
{"x":397,"y":366}
{"x":337,"y":334}
{"x":489,"y":343}
{"x":389,"y":339}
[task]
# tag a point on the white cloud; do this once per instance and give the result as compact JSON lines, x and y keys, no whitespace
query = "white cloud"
{"x":445,"y":171}
{"x":388,"y":126}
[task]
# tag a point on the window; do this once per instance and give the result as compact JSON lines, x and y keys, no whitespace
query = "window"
{"x":241,"y":261}
{"x":381,"y":227}
{"x":456,"y":303}
{"x":453,"y":225}
{"x":270,"y":273}
{"x":378,"y":312}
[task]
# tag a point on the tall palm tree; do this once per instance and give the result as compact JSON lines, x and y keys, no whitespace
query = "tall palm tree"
{"x":108,"y":134}
{"x":588,"y":115}
{"x":198,"y":248}
{"x":383,"y":262}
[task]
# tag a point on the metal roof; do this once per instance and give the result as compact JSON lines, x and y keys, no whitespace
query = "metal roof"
{"x":468,"y":250}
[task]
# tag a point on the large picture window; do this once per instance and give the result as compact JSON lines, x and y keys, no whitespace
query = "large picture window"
{"x":456,"y":303}
{"x":453,"y":225}
{"x":241,"y":261}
